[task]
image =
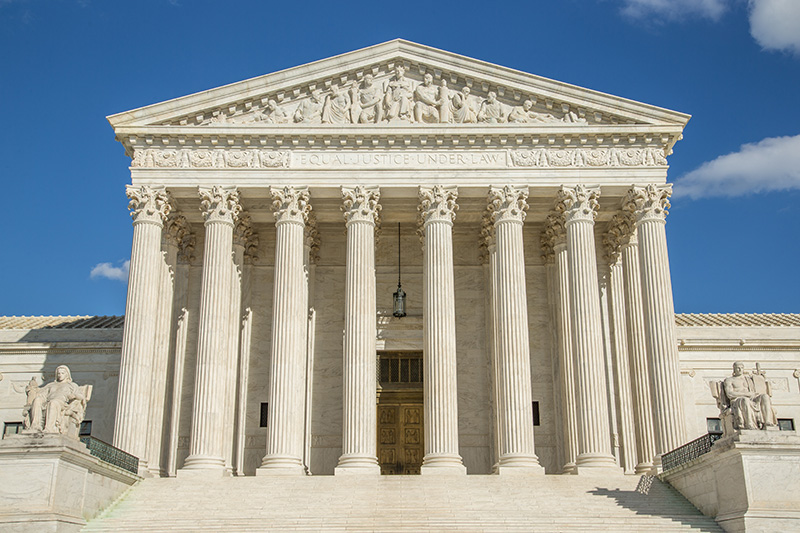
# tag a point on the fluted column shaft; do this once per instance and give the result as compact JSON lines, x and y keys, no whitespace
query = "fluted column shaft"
{"x":507,"y":207}
{"x":287,"y":362}
{"x":637,"y":343}
{"x":437,"y":207}
{"x":359,"y":448}
{"x":594,"y":446}
{"x":567,"y":367}
{"x":221,"y":209}
{"x":649,"y":205}
{"x":149,"y":208}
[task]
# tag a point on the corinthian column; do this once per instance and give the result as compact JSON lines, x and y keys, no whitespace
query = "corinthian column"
{"x":149,"y":209}
{"x":288,"y":349}
{"x":438,"y":210}
{"x":220,"y":208}
{"x":556,"y":234}
{"x":579,"y":206}
{"x":507,"y":210}
{"x":359,"y":453}
{"x":649,"y":205}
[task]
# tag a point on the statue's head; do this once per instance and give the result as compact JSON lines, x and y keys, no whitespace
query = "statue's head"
{"x":399,"y":71}
{"x":63,"y":374}
{"x":368,"y":80}
{"x":492,"y":96}
{"x":738,"y":368}
{"x":272,"y":105}
{"x":466,"y":91}
{"x":428,"y":79}
{"x":527,"y":105}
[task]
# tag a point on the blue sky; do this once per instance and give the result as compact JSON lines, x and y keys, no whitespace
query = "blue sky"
{"x":734,"y":228}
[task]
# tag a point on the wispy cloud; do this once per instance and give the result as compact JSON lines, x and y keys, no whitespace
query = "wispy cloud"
{"x":662,"y":10}
{"x":775,"y":24}
{"x":772,"y":164}
{"x":109,"y":271}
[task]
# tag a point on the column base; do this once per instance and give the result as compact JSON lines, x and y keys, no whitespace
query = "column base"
{"x":597,"y":464}
{"x":519,"y":464}
{"x":203,"y":462}
{"x":643,"y":468}
{"x":281,"y":465}
{"x":443,"y":464}
{"x":569,"y":469}
{"x":520,"y":470}
{"x":357,"y":465}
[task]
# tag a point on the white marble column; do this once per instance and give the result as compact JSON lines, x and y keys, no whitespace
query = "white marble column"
{"x":637,"y":345}
{"x":220,"y":207}
{"x":568,"y":397}
{"x":579,"y":206}
{"x":288,"y":349}
{"x":359,"y":448}
{"x":649,"y":205}
{"x":488,"y":242}
{"x":149,"y":209}
{"x":172,"y":235}
{"x":438,"y":210}
{"x":507,"y":207}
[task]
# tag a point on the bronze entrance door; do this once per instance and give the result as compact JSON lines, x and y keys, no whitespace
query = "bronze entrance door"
{"x":400,"y":433}
{"x":401,"y":439}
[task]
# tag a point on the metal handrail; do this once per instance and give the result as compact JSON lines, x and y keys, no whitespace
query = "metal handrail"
{"x":689,"y":451}
{"x":108,"y":453}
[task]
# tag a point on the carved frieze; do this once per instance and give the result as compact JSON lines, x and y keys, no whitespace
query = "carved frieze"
{"x":207,"y":158}
{"x":589,"y":157}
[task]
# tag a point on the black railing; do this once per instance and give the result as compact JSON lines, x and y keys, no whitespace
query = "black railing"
{"x":689,"y":451}
{"x":106,"y":452}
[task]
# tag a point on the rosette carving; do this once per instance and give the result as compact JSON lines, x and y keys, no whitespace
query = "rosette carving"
{"x":437,"y":204}
{"x":648,"y":203}
{"x":360,"y":204}
{"x":577,"y":203}
{"x":290,"y":205}
{"x":507,"y":204}
{"x":220,"y":204}
{"x":553,"y":234}
{"x":148,"y":204}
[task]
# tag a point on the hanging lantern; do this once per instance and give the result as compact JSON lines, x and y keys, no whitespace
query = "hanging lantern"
{"x":399,"y":297}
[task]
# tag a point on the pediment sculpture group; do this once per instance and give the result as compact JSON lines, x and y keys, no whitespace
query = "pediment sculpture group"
{"x":57,"y":407}
{"x":402,"y":100}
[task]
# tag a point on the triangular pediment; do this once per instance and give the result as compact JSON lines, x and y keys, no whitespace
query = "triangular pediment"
{"x":367,"y":87}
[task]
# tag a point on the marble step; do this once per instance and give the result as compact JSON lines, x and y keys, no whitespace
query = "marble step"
{"x":403,"y":503}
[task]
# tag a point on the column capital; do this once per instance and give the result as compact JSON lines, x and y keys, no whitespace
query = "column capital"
{"x":290,"y":205}
{"x":244,"y":236}
{"x":648,"y":203}
{"x":148,"y":204}
{"x":175,"y":229}
{"x":578,"y":204}
{"x":219,"y":204}
{"x":311,"y":238}
{"x":621,"y":232}
{"x":507,"y":204}
{"x":553,"y":235}
{"x":437,"y":204}
{"x":486,"y":240}
{"x":360,"y":204}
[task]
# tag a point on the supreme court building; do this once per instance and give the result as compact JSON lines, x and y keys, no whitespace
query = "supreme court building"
{"x":274,"y":218}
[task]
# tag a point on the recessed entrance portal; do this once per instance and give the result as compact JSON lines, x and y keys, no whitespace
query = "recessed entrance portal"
{"x":400,"y":429}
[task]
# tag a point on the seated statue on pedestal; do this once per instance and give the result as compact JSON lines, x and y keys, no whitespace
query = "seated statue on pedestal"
{"x":57,"y":407}
{"x":744,"y":401}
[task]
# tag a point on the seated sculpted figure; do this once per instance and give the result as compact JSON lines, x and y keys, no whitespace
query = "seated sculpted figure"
{"x":749,"y":400}
{"x":57,"y":407}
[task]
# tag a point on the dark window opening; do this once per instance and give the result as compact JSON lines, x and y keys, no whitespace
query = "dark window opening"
{"x":714,"y":426}
{"x":400,"y":367}
{"x":786,"y":424}
{"x":86,"y":428}
{"x":264,"y":420}
{"x":535,"y":413}
{"x":12,"y":428}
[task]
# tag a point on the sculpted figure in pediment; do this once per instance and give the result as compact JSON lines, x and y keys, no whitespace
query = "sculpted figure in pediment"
{"x":310,"y":110}
{"x":491,"y":110}
{"x":272,"y":114}
{"x":444,"y":103}
{"x":367,"y":102}
{"x":337,"y":107}
{"x":399,"y":95}
{"x":426,"y":101}
{"x":463,"y":112}
{"x":571,"y":117}
{"x":525,"y":114}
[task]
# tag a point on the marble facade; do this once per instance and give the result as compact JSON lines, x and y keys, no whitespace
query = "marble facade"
{"x":533,"y":247}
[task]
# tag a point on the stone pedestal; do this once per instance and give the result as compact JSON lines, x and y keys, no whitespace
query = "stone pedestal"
{"x":359,"y":454}
{"x":50,"y":483}
{"x":438,"y":207}
{"x":749,"y":482}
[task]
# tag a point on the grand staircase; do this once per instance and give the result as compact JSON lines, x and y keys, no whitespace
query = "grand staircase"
{"x":403,"y":503}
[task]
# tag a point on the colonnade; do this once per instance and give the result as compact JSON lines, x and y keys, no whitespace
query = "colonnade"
{"x":643,"y":314}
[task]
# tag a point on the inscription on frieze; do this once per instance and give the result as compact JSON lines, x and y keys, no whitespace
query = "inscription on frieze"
{"x":392,"y":159}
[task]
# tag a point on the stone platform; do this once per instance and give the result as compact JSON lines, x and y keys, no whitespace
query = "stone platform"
{"x":403,"y":503}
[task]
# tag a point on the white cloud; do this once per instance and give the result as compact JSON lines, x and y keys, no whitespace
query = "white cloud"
{"x":109,"y":271}
{"x":775,"y":24}
{"x":661,"y":10}
{"x":772,"y":164}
